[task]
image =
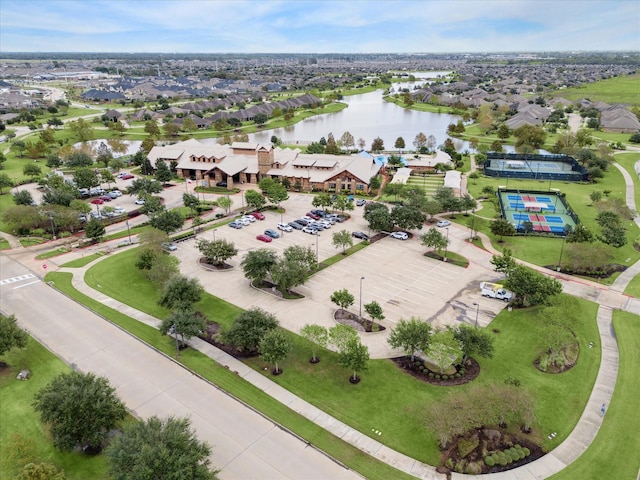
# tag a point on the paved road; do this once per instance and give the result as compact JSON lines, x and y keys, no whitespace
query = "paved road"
{"x":245,"y":444}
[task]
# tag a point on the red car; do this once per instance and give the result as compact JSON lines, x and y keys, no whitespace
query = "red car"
{"x":105,"y":198}
{"x":264,"y":238}
{"x":257,"y":215}
{"x":97,"y":201}
{"x":126,"y":176}
{"x":313,"y":215}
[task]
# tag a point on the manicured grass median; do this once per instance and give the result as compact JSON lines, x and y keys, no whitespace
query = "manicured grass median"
{"x":615,"y":452}
{"x":20,"y":424}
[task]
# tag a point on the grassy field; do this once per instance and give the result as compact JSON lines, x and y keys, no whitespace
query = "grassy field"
{"x":619,"y":431}
{"x":325,"y":385}
{"x":364,"y":464}
{"x":623,"y":89}
{"x":81,"y":262}
{"x":21,"y":424}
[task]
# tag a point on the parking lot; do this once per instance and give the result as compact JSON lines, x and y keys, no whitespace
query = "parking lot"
{"x":396,"y":274}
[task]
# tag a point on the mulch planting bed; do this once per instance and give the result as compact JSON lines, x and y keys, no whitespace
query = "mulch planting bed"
{"x":471,"y":371}
{"x":209,"y":336}
{"x":362,"y":325}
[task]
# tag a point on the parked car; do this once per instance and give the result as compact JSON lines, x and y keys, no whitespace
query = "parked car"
{"x":96,"y":215}
{"x":296,"y":225}
{"x":317,"y":225}
{"x":84,"y":192}
{"x":443,"y":223}
{"x":236,"y":225}
{"x":126,"y":176}
{"x":360,"y":202}
{"x":272,"y":233}
{"x":360,"y":235}
{"x":243,"y":221}
{"x":115,"y":193}
{"x":139,"y":201}
{"x":320,"y":213}
{"x":258,"y":215}
{"x":97,"y":201}
{"x":169,"y":246}
{"x":250,"y":218}
{"x":264,"y":238}
{"x":106,"y":198}
{"x":314,"y":216}
{"x":303,"y":221}
{"x":119,"y":210}
{"x":400,"y":235}
{"x":310,"y":230}
{"x":96,"y":191}
{"x":221,"y":184}
{"x":284,"y":227}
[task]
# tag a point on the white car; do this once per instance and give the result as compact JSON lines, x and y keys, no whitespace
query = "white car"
{"x":244,"y":221}
{"x":251,"y":218}
{"x":443,"y":223}
{"x":400,"y":235}
{"x":119,"y":210}
{"x":139,"y":201}
{"x":310,"y":230}
{"x":285,"y":227}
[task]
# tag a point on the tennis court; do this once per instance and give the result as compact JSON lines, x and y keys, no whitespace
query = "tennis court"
{"x":539,"y":167}
{"x":537,"y":211}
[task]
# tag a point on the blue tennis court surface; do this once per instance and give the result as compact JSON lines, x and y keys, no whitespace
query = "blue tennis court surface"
{"x":536,"y":212}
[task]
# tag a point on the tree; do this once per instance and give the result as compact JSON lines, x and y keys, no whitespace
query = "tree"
{"x":11,"y":335}
{"x":249,"y":328}
{"x":431,"y":208}
{"x":277,"y":193}
{"x":260,"y":118}
{"x":318,"y":336}
{"x":181,"y":293}
{"x":274,"y":347}
{"x":348,"y":141}
{"x":332,"y":147}
{"x":595,"y":196}
{"x":32,"y":170}
{"x":502,"y":227}
{"x":420,"y":141}
{"x":288,"y":273}
{"x":377,"y":214}
{"x":444,"y":196}
{"x":361,"y":143}
{"x":184,"y":323}
{"x":254,"y":199}
{"x":107,"y":177}
{"x":342,"y":239}
{"x":342,"y":203}
{"x":80,"y":408}
{"x":103,"y":154}
{"x":407,"y":217}
{"x":146,"y":145}
{"x":152,"y":205}
{"x":377,"y":145}
{"x":434,"y":239}
{"x":474,"y":341}
{"x":144,"y":186}
{"x":171,"y":129}
{"x":339,"y":336}
{"x":322,"y":200}
{"x":354,"y":356}
{"x":81,"y":129}
{"x":579,"y":234}
{"x":85,"y":178}
{"x":343,"y":298}
{"x":94,"y":229}
{"x":167,"y":220}
{"x":530,"y":135}
{"x":399,"y":143}
{"x":257,"y":265}
{"x":374,"y":310}
{"x":504,"y":263}
{"x":225,"y":203}
{"x":40,"y":471}
{"x":444,"y":349}
{"x":189,"y":125}
{"x":161,"y":450}
{"x":151,"y":127}
{"x":503,"y":131}
{"x":23,"y":197}
{"x":163,"y":174}
{"x":411,"y":336}
{"x":375,"y":183}
{"x":191,"y":202}
{"x":218,"y":251}
{"x":530,"y":287}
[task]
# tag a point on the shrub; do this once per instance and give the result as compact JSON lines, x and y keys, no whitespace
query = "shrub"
{"x":474,"y":468}
{"x":513,"y":453}
{"x":460,"y":466}
{"x":449,"y":463}
{"x":489,"y":461}
{"x":430,"y":374}
{"x":437,"y":377}
{"x":467,"y":445}
{"x":462,"y":371}
{"x":496,"y":457}
{"x":526,"y":451}
{"x":457,"y":375}
{"x":520,"y":453}
{"x":445,"y":377}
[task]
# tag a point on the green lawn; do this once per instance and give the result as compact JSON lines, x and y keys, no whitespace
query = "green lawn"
{"x":364,"y":464}
{"x":622,"y":89}
{"x":401,"y":420}
{"x":81,"y":262}
{"x":611,"y":455}
{"x":21,"y":424}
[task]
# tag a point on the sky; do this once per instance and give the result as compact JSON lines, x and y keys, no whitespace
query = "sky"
{"x":308,"y":26}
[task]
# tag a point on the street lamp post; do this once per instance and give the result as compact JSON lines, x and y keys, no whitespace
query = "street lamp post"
{"x":214,"y":234}
{"x":175,"y":335}
{"x":447,"y":245}
{"x":361,"y":279}
{"x":317,"y":252}
{"x":53,"y":228}
{"x":477,"y":305}
{"x":561,"y":249}
{"x":129,"y":232}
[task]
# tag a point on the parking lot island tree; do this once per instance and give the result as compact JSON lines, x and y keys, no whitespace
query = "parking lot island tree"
{"x":318,"y":336}
{"x":11,"y":335}
{"x":531,"y":287}
{"x":257,"y":265}
{"x":249,"y":328}
{"x":216,"y":252}
{"x":168,"y":221}
{"x":434,"y":239}
{"x":343,"y":298}
{"x":274,"y":347}
{"x":343,"y":203}
{"x":412,"y":336}
{"x":254,"y":199}
{"x":181,"y":293}
{"x":342,"y":239}
{"x":374,"y":310}
{"x":80,"y":409}
{"x":159,"y":449}
{"x":377,"y":214}
{"x":225,"y":203}
{"x":407,"y":217}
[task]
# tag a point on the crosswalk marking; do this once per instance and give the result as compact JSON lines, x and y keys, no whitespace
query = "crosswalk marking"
{"x":19,"y":278}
